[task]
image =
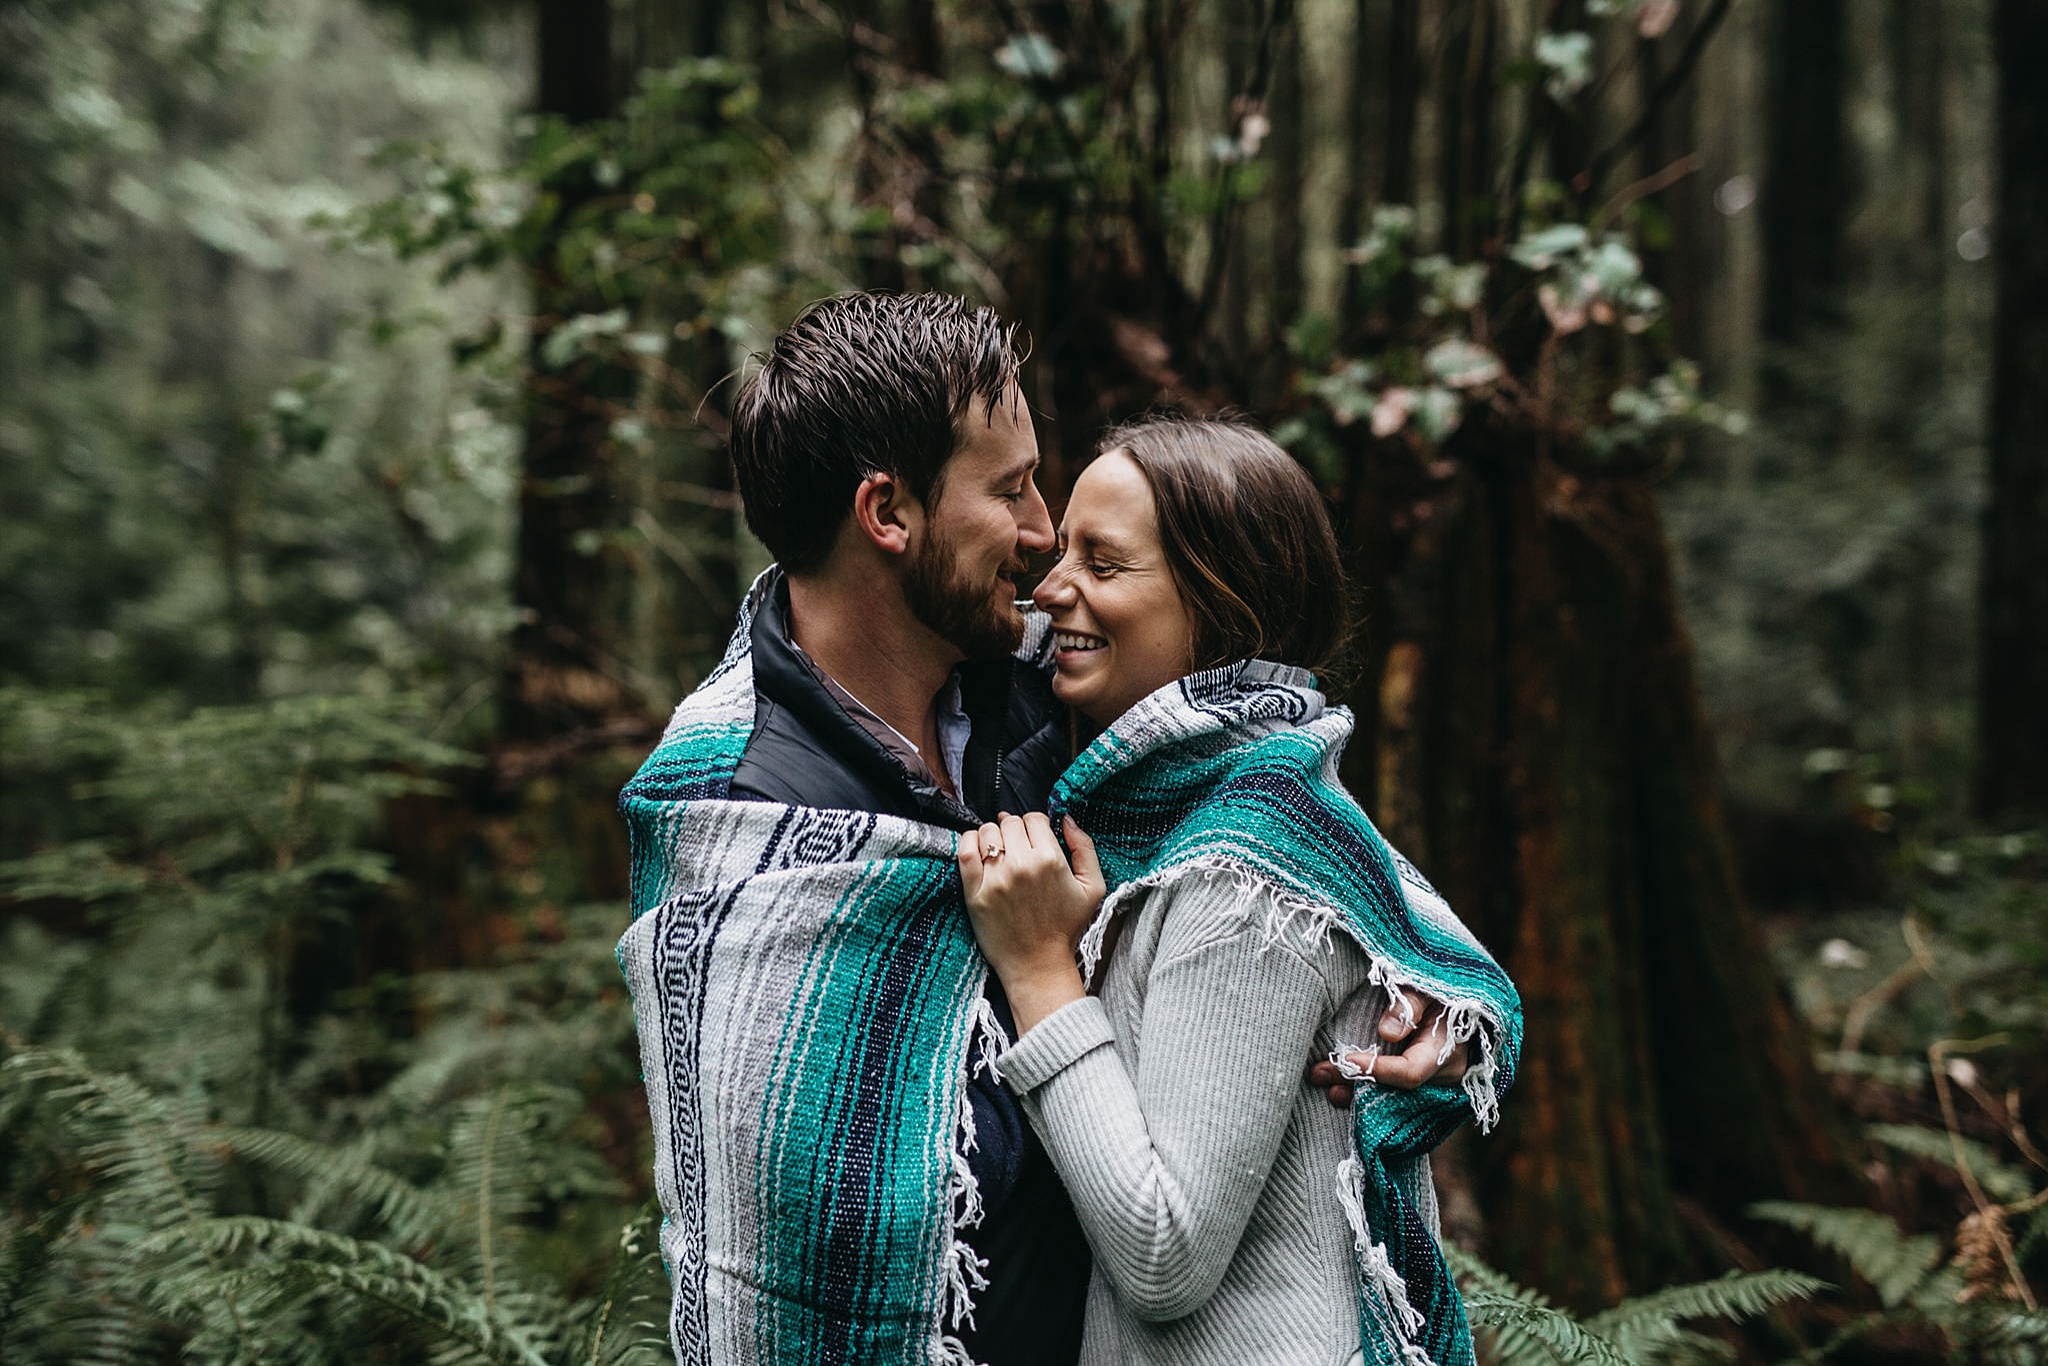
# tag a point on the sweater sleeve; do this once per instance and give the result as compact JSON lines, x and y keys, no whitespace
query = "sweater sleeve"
{"x":1166,"y":1159}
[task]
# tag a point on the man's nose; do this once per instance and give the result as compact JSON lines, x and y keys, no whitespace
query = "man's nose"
{"x":1034,"y":524}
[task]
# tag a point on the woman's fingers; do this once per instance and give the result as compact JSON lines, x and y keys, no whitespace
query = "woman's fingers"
{"x":1016,"y":834}
{"x":1081,"y":857}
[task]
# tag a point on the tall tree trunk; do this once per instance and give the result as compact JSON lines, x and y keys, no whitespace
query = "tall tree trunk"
{"x":1539,"y":748}
{"x":1531,"y":732}
{"x":2013,"y":657}
{"x":1802,"y":207}
{"x":564,"y":675}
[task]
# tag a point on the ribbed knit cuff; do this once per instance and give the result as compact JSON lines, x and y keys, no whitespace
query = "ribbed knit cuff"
{"x":1054,"y":1043}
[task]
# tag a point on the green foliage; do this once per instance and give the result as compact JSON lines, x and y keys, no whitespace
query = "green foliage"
{"x":1523,"y":1328}
{"x":1435,"y":361}
{"x":1914,"y":1284}
{"x":223,"y":1136}
{"x":232,"y":463}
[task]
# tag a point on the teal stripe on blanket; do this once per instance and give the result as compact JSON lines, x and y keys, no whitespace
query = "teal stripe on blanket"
{"x":1233,"y":773}
{"x":805,"y":987}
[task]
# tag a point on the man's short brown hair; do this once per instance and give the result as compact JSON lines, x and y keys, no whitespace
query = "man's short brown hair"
{"x":859,"y":385}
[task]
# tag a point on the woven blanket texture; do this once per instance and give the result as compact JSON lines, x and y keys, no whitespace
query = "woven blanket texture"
{"x":1232,"y":773}
{"x":808,"y":995}
{"x":806,"y":990}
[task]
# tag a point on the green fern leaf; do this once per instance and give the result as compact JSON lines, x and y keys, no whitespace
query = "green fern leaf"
{"x":2006,"y":1184}
{"x":635,"y":1284}
{"x":1895,"y":1265}
{"x":1525,"y":1326}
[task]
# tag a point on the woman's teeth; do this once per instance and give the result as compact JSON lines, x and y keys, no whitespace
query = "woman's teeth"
{"x":1065,"y":641}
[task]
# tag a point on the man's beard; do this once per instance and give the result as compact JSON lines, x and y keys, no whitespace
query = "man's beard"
{"x":964,"y":614}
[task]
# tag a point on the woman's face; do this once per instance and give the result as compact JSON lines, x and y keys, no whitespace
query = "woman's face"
{"x":1120,"y":628}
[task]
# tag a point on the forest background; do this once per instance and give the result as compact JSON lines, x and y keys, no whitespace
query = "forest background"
{"x":1678,"y":374}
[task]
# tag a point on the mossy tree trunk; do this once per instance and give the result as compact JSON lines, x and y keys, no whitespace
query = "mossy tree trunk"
{"x":2013,"y":655}
{"x":564,"y":676}
{"x":1538,"y":747}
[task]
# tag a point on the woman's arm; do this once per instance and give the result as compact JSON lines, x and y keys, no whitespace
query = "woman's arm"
{"x":1166,"y":1162}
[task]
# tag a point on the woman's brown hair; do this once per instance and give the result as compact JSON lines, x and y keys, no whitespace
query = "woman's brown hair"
{"x":1247,"y":539}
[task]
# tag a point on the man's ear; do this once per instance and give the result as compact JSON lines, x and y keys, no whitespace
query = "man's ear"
{"x":887,"y":514}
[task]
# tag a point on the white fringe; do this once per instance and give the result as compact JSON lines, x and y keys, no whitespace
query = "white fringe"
{"x":1340,"y":1058}
{"x":988,"y":1038}
{"x":1465,"y":1019}
{"x":1386,"y":1293}
{"x":965,"y":1270}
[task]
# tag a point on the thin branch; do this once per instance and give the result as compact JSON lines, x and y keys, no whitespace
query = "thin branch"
{"x":1654,"y":183}
{"x":1666,"y":89}
{"x":1937,"y":1057}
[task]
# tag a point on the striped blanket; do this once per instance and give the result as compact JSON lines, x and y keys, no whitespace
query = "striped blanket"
{"x":806,"y":989}
{"x":1232,"y":773}
{"x":808,"y":996}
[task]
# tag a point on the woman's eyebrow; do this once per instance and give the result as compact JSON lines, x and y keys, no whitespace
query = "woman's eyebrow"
{"x":1103,"y":542}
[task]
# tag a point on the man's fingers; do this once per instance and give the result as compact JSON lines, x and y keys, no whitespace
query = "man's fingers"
{"x":1404,"y":1071}
{"x":1325,"y":1077}
{"x":1404,"y":1014}
{"x":967,"y":853}
{"x":1417,"y":1064}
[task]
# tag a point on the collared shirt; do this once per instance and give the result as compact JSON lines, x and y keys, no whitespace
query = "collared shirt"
{"x":954,"y":727}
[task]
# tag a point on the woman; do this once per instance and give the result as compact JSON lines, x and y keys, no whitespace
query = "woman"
{"x":1255,"y":918}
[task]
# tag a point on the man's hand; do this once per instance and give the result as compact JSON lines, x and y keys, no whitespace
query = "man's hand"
{"x":1412,"y":1034}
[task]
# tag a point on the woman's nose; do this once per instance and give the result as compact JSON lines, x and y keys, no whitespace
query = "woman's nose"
{"x":1053,"y":589}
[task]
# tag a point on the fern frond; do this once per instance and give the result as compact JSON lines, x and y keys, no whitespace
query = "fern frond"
{"x":415,"y":1217}
{"x":1525,"y":1326}
{"x":1735,"y":1296}
{"x":1896,"y":1266}
{"x":306,"y":1262}
{"x":2021,"y":1330}
{"x":635,"y":1283}
{"x":2004,"y":1183}
{"x":1651,"y":1324}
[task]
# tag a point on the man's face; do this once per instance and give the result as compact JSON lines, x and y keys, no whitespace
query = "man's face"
{"x":985,"y":517}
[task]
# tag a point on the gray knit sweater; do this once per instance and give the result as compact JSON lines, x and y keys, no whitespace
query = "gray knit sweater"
{"x":1203,"y":1166}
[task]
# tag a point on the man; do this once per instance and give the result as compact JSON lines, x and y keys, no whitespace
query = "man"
{"x":885,"y":456}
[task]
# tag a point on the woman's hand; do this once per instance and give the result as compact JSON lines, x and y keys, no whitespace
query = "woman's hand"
{"x":1029,"y":903}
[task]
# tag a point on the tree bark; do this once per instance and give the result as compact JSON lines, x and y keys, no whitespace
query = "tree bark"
{"x":2012,"y":743}
{"x":1803,"y":199}
{"x":1539,"y":748}
{"x":563,"y":677}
